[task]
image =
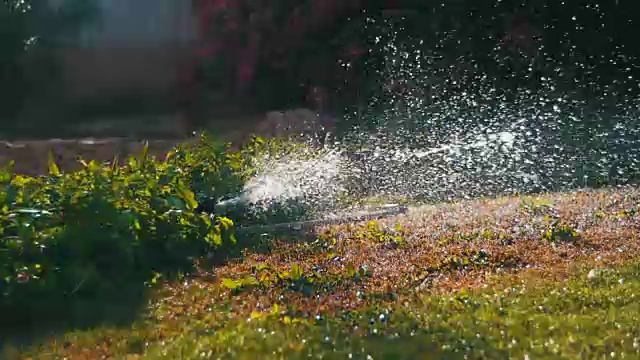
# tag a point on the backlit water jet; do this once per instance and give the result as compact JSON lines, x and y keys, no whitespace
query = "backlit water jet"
{"x":464,"y":139}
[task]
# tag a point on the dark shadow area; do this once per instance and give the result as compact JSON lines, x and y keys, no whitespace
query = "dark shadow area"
{"x":259,"y":242}
{"x":33,"y":320}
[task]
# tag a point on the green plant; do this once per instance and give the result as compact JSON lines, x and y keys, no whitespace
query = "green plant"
{"x":296,"y":279}
{"x":559,"y":232}
{"x":628,"y":213}
{"x":536,"y":206}
{"x":69,"y":235}
{"x":464,"y":261}
{"x":374,"y":231}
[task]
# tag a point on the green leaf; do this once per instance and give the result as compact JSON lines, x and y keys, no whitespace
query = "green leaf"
{"x":176,"y":203}
{"x":214,"y":237}
{"x":187,"y":196}
{"x":262,"y":266}
{"x":7,"y":172}
{"x":249,"y":281}
{"x":93,"y":166}
{"x":145,"y":152}
{"x":225,"y":222}
{"x":133,"y":163}
{"x":296,"y":272}
{"x":136,"y":224}
{"x":115,"y":165}
{"x":53,"y":167}
{"x":230,"y":283}
{"x":351,"y":270}
{"x":275,"y":310}
{"x":156,"y":277}
{"x":256,"y":315}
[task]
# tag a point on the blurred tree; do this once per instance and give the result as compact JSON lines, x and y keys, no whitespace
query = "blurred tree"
{"x":27,"y":27}
{"x":249,"y":45}
{"x":284,"y":51}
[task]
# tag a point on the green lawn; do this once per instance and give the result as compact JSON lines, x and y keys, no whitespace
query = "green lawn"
{"x":557,"y":276}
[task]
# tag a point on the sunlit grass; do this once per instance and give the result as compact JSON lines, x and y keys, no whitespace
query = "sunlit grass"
{"x":485,"y":279}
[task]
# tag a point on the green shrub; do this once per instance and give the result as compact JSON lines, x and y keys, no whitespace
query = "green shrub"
{"x":90,"y":232}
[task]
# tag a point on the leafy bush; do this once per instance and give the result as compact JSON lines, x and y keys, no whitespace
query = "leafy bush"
{"x":90,"y":232}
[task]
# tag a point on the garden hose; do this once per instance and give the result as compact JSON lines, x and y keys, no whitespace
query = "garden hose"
{"x":378,"y":212}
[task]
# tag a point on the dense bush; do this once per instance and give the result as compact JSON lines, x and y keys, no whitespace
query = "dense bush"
{"x":90,"y":232}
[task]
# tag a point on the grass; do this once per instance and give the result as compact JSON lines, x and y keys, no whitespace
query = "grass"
{"x":553,"y":276}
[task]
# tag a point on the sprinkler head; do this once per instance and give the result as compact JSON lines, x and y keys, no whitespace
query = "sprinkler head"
{"x":223,"y":206}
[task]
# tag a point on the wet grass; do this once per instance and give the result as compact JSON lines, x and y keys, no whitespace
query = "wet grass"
{"x":553,"y":276}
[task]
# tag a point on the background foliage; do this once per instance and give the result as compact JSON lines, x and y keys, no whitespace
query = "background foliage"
{"x":29,"y":30}
{"x":296,"y":44}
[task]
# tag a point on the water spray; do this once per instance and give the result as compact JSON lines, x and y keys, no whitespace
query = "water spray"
{"x":467,"y":141}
